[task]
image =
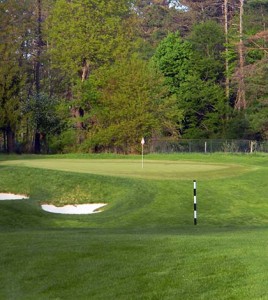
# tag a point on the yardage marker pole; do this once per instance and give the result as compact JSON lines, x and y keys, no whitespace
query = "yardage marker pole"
{"x":195,"y":205}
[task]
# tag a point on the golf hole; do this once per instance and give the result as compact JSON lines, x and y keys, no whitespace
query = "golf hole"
{"x":79,"y":209}
{"x":9,"y":196}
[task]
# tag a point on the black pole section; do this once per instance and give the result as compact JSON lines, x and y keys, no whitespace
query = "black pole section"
{"x":195,"y":204}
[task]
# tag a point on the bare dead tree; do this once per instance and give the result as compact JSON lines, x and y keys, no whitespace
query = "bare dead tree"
{"x":227,"y":79}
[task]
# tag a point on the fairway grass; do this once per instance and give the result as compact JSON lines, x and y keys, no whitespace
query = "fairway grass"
{"x":144,"y":244}
{"x":93,"y":264}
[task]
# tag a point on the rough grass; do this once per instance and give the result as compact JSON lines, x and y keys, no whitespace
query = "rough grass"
{"x":144,"y":245}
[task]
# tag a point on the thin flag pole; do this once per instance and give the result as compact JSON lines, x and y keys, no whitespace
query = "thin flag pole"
{"x":142,"y":144}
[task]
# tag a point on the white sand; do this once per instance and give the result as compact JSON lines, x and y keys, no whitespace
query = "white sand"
{"x":7,"y":196}
{"x":80,"y":209}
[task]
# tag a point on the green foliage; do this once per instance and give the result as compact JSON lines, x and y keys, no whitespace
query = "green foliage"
{"x":11,"y":73}
{"x":173,"y":57}
{"x":86,"y":33}
{"x":63,"y":142}
{"x":255,"y":20}
{"x":9,"y":97}
{"x":258,"y":121}
{"x":53,"y":56}
{"x":128,"y":101}
{"x":207,"y":40}
{"x":257,"y":95}
{"x":203,"y":105}
{"x":201,"y":100}
{"x":13,"y":76}
{"x":42,"y":110}
{"x":156,"y":19}
{"x":238,"y":126}
{"x":256,"y":82}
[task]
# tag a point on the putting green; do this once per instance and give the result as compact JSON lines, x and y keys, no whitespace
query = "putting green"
{"x":153,"y":169}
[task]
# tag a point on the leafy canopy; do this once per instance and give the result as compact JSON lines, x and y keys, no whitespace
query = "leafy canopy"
{"x":130,"y":101}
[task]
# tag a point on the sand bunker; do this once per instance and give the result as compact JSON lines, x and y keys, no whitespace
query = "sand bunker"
{"x":81,"y":209}
{"x":7,"y":196}
{"x":74,"y":209}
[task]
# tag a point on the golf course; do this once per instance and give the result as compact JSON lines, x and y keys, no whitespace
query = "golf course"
{"x":143,"y":244}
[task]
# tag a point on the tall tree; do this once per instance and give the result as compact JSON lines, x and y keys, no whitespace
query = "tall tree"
{"x":240,"y":103}
{"x":226,"y":30}
{"x":130,"y":101}
{"x":207,"y":40}
{"x":12,"y":80}
{"x":83,"y":36}
{"x":210,"y":9}
{"x":38,"y":45}
{"x":158,"y":18}
{"x":199,"y":95}
{"x":173,"y":57}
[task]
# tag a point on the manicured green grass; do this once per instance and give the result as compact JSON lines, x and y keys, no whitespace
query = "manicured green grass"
{"x":144,"y":245}
{"x":151,"y":169}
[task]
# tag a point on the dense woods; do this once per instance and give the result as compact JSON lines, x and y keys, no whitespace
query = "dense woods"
{"x":98,"y":75}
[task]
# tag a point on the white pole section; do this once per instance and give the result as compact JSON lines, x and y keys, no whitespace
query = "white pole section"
{"x":195,"y":204}
{"x":142,"y":144}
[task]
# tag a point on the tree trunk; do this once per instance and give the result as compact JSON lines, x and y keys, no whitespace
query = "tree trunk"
{"x":241,"y":97}
{"x":5,"y":140}
{"x":10,"y":139}
{"x":78,"y":112}
{"x":85,"y":70}
{"x":227,"y":80}
{"x":38,"y":47}
{"x":37,"y":144}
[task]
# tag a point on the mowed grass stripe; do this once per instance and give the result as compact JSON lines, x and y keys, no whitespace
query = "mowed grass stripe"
{"x":102,"y":265}
{"x":153,"y":169}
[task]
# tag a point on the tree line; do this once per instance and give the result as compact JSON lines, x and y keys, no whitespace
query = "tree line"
{"x":97,"y":75}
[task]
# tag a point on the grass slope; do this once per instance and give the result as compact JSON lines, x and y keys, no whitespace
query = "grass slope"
{"x":144,"y":245}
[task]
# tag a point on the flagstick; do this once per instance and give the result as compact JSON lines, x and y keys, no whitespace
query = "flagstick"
{"x":142,"y":144}
{"x":142,"y":156}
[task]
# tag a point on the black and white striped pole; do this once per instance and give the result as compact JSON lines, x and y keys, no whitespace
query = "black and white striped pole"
{"x":195,"y":204}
